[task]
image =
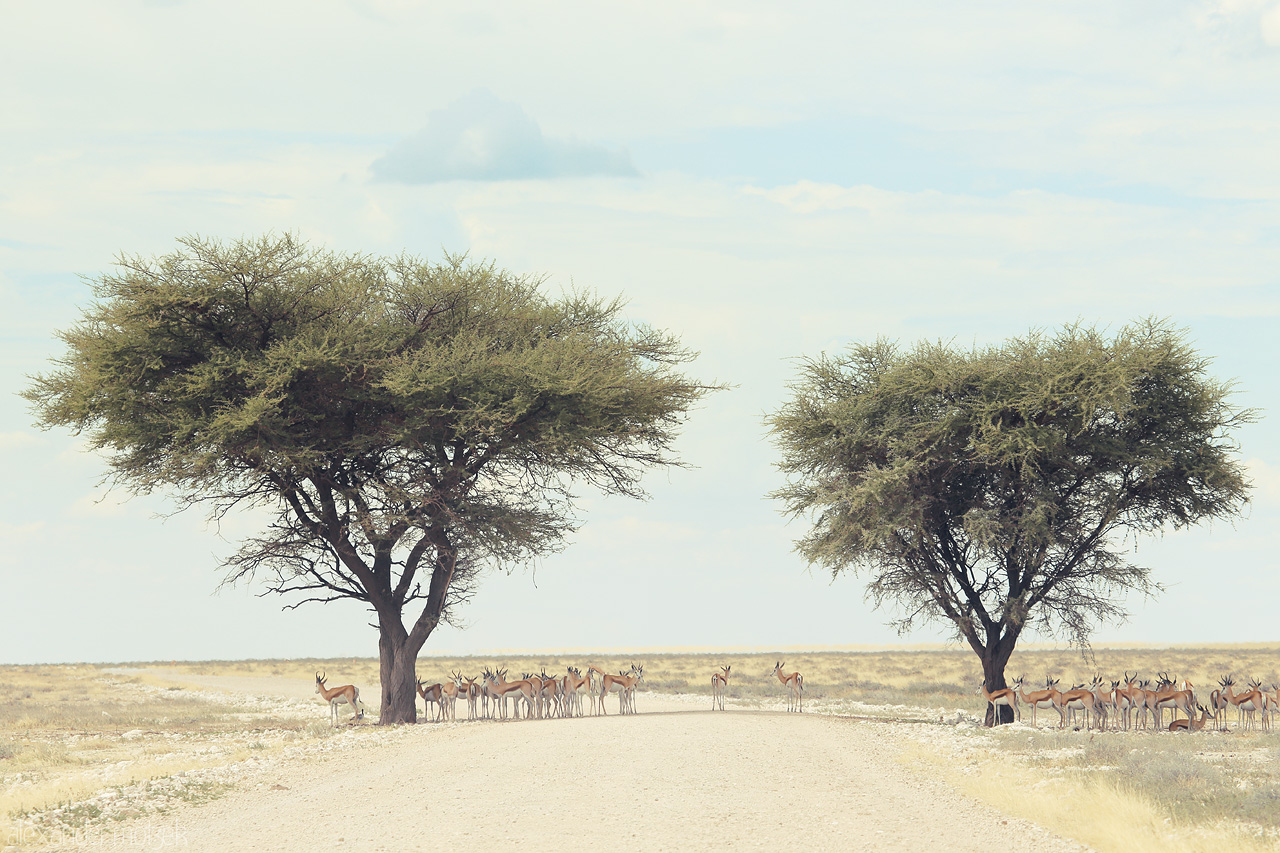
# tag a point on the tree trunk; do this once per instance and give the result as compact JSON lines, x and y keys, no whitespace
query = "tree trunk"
{"x":397,"y":656}
{"x":994,"y":659}
{"x":398,"y":649}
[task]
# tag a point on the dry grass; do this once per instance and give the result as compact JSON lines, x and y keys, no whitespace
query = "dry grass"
{"x":73,"y":730}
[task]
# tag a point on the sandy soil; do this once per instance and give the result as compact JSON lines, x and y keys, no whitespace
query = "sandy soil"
{"x":673,"y":777}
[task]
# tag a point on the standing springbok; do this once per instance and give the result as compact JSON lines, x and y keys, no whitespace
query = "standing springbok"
{"x":346,"y":694}
{"x":1174,"y":699}
{"x":1127,"y":698}
{"x":499,"y":689}
{"x":795,"y":684}
{"x":719,"y":684}
{"x":431,"y":693}
{"x":1005,"y":696}
{"x":1038,"y":698}
{"x":468,"y":688}
{"x":625,"y":685}
{"x":574,"y":685}
{"x":1079,"y":699}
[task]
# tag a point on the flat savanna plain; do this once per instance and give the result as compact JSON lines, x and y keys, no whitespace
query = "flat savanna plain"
{"x":91,"y":754}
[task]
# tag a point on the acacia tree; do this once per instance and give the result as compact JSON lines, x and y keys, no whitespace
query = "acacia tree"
{"x":996,"y":488}
{"x":403,"y":423}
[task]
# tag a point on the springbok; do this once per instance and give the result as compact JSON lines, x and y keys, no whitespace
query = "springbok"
{"x":626,"y":687}
{"x":1004,"y":696}
{"x":1127,"y":698}
{"x":574,"y":684}
{"x":432,"y":693}
{"x":1038,"y":699}
{"x":1218,"y":702}
{"x":1176,"y":700}
{"x":719,"y":684}
{"x":1246,"y":703}
{"x":468,"y":688}
{"x":346,"y":694}
{"x":1078,"y":699}
{"x":499,"y":689}
{"x":1254,"y":701}
{"x":794,"y":682}
{"x":1106,"y":699}
{"x":1190,"y":724}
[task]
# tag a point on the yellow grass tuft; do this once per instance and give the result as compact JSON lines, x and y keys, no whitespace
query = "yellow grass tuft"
{"x":1107,"y":815}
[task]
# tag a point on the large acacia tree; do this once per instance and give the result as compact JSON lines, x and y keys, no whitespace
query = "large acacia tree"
{"x":402,"y":423}
{"x":999,"y":488}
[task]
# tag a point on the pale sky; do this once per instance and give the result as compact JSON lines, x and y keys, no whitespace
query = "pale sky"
{"x":766,"y":182}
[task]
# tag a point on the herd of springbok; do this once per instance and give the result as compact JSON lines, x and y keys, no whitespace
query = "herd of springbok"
{"x":541,"y":695}
{"x":1131,"y":703}
{"x":1124,"y":704}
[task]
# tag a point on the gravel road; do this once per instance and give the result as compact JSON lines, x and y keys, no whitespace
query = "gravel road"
{"x":668,"y":778}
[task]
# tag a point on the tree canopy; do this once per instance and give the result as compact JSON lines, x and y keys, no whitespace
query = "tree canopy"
{"x":404,"y":422}
{"x":995,"y":488}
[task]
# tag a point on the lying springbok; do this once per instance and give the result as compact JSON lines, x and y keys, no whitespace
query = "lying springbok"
{"x":1191,"y":725}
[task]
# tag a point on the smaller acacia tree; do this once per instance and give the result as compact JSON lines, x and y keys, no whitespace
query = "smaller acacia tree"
{"x":403,"y":423}
{"x":994,"y":488}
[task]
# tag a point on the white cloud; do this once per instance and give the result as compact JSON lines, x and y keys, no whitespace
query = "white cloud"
{"x":1271,"y":26}
{"x":17,"y":536}
{"x":18,"y":441}
{"x":483,"y":138}
{"x":1266,"y":480}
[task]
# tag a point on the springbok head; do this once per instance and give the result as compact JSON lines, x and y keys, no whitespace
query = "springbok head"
{"x":320,"y":678}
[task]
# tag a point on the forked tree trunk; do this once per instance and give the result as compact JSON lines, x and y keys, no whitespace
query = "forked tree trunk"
{"x":397,"y":659}
{"x":398,"y":649}
{"x":994,"y":657}
{"x":993,"y":680}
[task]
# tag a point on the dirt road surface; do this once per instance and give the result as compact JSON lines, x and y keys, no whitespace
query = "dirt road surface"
{"x":672,"y":777}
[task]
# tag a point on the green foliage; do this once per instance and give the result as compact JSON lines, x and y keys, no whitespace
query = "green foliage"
{"x":993,"y":488}
{"x":394,"y":414}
